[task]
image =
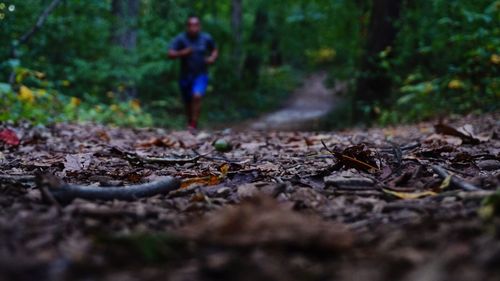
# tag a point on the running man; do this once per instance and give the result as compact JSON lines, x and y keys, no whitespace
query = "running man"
{"x":196,"y":50}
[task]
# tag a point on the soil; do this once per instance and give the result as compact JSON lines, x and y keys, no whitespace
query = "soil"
{"x":351,"y":205}
{"x":306,"y":108}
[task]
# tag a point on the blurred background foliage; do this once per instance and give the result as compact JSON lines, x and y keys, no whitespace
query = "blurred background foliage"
{"x":444,"y":58}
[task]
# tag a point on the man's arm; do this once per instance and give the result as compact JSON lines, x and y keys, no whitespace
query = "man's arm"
{"x":174,"y":54}
{"x":213,"y":56}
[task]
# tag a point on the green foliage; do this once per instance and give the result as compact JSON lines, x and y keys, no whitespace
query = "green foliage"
{"x":73,"y":49}
{"x":35,"y":99}
{"x":446,"y":60}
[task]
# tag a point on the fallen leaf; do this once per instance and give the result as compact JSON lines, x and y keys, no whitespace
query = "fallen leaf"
{"x":9,"y":137}
{"x":446,"y":182}
{"x":409,"y":195}
{"x":451,"y":140}
{"x":357,"y":157}
{"x":77,"y":162}
{"x":207,"y":180}
{"x":161,"y":142}
{"x":465,"y":133}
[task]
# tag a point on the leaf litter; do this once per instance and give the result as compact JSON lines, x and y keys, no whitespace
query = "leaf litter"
{"x":383,"y":203}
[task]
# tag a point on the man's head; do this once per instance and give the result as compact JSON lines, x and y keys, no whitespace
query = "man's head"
{"x":193,"y":25}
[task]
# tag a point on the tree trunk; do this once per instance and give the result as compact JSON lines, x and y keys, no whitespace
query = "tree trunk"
{"x":124,"y":35}
{"x":125,"y":13}
{"x":254,"y":58}
{"x":374,"y":83}
{"x":236,"y":26}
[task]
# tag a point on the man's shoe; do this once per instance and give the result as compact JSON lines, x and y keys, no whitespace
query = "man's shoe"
{"x":192,"y":127}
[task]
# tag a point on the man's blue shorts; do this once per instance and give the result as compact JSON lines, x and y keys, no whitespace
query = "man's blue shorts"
{"x":193,"y":85}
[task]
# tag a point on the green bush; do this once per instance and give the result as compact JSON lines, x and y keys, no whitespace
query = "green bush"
{"x":447,"y":60}
{"x":36,"y":100}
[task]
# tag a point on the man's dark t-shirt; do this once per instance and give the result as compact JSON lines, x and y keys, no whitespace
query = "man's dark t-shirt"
{"x":201,"y":45}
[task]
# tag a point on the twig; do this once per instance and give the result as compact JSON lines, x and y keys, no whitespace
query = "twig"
{"x":160,"y":160}
{"x":327,"y":148}
{"x":17,"y":178}
{"x":40,"y":21}
{"x":455,"y":181}
{"x":170,"y":161}
{"x":27,"y":36}
{"x":63,"y":192}
{"x":398,"y":154}
{"x":406,"y":147}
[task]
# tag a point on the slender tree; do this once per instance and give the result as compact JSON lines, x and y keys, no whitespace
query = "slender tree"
{"x":237,"y":30}
{"x":254,"y":58}
{"x":124,"y":35}
{"x":374,"y":83}
{"x":126,"y":14}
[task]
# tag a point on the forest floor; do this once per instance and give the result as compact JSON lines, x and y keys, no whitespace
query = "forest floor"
{"x":375,"y":204}
{"x":306,"y":108}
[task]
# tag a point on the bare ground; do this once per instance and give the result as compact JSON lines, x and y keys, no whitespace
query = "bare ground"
{"x":305,"y":109}
{"x":278,"y":206}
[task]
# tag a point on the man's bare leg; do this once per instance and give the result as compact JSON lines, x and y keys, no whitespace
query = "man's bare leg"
{"x":195,"y":109}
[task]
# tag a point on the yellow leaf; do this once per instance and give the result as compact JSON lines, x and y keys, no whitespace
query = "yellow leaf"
{"x":26,"y":95}
{"x":136,"y":105}
{"x":75,"y":101}
{"x":455,"y":84}
{"x":446,"y":182}
{"x":39,"y":75}
{"x":495,"y":59}
{"x":224,"y":168}
{"x":207,"y":180}
{"x":409,"y":195}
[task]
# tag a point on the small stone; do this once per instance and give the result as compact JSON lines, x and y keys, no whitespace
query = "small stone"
{"x":489,"y":165}
{"x":273,"y":190}
{"x":247,"y":191}
{"x":223,"y":192}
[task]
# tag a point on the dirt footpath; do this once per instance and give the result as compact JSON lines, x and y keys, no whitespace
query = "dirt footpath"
{"x":305,"y":109}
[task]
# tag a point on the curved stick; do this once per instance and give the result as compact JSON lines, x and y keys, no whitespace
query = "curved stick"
{"x":63,"y":192}
{"x":441,"y":172}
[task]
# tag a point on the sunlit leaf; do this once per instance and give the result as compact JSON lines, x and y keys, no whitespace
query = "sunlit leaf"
{"x":409,"y":195}
{"x":26,"y":95}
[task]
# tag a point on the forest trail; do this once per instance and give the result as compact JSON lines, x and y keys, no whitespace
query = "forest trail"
{"x":305,"y":109}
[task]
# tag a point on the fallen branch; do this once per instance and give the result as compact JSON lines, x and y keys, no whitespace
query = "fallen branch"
{"x":135,"y":158}
{"x":404,"y":148}
{"x":166,"y":161}
{"x":455,"y":181}
{"x":64,"y":192}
